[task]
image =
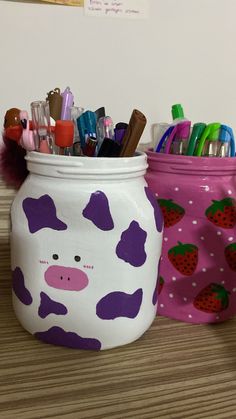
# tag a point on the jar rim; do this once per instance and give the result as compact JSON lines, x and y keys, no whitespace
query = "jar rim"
{"x":82,"y":166}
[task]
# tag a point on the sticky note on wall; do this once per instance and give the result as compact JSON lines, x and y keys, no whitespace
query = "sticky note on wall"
{"x":131,"y":9}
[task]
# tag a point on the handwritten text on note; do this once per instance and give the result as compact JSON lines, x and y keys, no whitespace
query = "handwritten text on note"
{"x":132,"y":9}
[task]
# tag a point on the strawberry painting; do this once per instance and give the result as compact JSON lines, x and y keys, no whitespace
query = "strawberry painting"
{"x":212,"y":299}
{"x":184,"y":257}
{"x":230,"y":256}
{"x":222,"y":213}
{"x":172,"y":212}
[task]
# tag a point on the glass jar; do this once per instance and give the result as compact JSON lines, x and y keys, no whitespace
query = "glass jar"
{"x":85,"y":244}
{"x":197,"y":195}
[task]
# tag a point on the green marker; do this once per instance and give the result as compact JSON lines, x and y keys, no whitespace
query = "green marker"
{"x":210,"y":136}
{"x":197,"y":132}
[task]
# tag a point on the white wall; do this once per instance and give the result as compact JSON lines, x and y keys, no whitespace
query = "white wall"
{"x":185,"y":52}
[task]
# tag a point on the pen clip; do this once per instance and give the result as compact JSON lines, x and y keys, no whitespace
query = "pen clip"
{"x":227,"y":136}
{"x":210,"y":132}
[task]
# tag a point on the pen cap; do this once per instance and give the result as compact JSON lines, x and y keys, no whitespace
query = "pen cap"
{"x":226,"y":135}
{"x":54,"y":99}
{"x":104,"y":127}
{"x":12,"y":118}
{"x":197,"y":131}
{"x":67,"y":103}
{"x":177,"y":111}
{"x":64,"y":133}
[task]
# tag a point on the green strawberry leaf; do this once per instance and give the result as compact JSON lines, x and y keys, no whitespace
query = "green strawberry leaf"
{"x":170,"y":205}
{"x":231,"y":246}
{"x":220,"y":205}
{"x":181,"y":249}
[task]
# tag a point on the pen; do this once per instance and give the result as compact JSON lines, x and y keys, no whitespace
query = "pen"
{"x":41,"y":126}
{"x":54,"y":99}
{"x":109,"y":148}
{"x":208,"y":143}
{"x":133,"y":133}
{"x":86,"y":124}
{"x":227,"y":142}
{"x":104,"y":128}
{"x":196,"y":134}
{"x":177,"y":141}
{"x":90,"y":147}
{"x":119,"y":131}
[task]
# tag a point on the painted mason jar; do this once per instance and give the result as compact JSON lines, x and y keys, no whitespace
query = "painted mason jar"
{"x":85,"y":245}
{"x":197,"y":195}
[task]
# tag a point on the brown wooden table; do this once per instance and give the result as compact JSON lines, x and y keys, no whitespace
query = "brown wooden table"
{"x":175,"y":370}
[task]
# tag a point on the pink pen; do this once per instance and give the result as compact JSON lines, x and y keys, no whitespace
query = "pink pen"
{"x":27,"y":138}
{"x":178,"y":140}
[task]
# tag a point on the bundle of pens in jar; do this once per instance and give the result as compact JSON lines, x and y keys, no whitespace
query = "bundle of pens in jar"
{"x":206,"y":140}
{"x":57,"y":126}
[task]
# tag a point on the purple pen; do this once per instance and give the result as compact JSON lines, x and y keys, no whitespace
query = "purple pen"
{"x":178,"y":140}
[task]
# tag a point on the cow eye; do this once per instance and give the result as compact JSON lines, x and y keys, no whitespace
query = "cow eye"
{"x":55,"y":256}
{"x":77,"y":258}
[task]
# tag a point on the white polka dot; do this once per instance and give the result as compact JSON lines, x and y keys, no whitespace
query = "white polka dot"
{"x":222,"y":282}
{"x":207,"y":188}
{"x":194,"y":222}
{"x":194,"y":284}
{"x":171,"y":295}
{"x":190,"y":202}
{"x":166,"y":239}
{"x":230,"y":239}
{"x":219,"y":233}
{"x":217,"y":318}
{"x":190,"y":316}
{"x":234,"y":289}
{"x":161,"y":305}
{"x":173,"y":278}
{"x":230,"y":192}
{"x":212,"y":254}
{"x":177,"y":189}
{"x":202,"y":238}
{"x":204,"y":270}
{"x":221,"y":269}
{"x":185,"y":299}
{"x":179,"y":229}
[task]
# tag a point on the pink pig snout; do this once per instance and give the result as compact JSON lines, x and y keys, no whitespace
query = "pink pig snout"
{"x":61,"y":277}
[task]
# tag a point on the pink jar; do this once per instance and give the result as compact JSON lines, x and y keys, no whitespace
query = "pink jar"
{"x":197,"y":273}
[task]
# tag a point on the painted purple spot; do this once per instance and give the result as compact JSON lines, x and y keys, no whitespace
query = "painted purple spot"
{"x":155,"y":294}
{"x":41,"y":213}
{"x":154,"y":297}
{"x":131,"y":245}
{"x":157,"y":211}
{"x":19,"y":288}
{"x":119,"y":304}
{"x":57,"y":336}
{"x":98,"y":211}
{"x":49,"y":306}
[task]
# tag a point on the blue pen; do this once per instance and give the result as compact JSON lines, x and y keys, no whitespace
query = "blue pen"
{"x":226,"y":138}
{"x":163,"y":138}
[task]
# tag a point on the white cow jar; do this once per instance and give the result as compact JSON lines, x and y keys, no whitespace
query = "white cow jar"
{"x":85,"y":244}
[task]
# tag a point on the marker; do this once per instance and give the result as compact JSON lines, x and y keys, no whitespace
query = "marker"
{"x":104,"y":129}
{"x":90,"y":147}
{"x":227,"y":142}
{"x":208,"y":143}
{"x":67,"y":103}
{"x":196,"y":134}
{"x":133,"y":133}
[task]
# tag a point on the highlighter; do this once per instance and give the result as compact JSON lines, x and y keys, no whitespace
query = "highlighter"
{"x":227,"y":142}
{"x":196,"y":134}
{"x":133,"y":133}
{"x":208,"y":143}
{"x":64,"y":134}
